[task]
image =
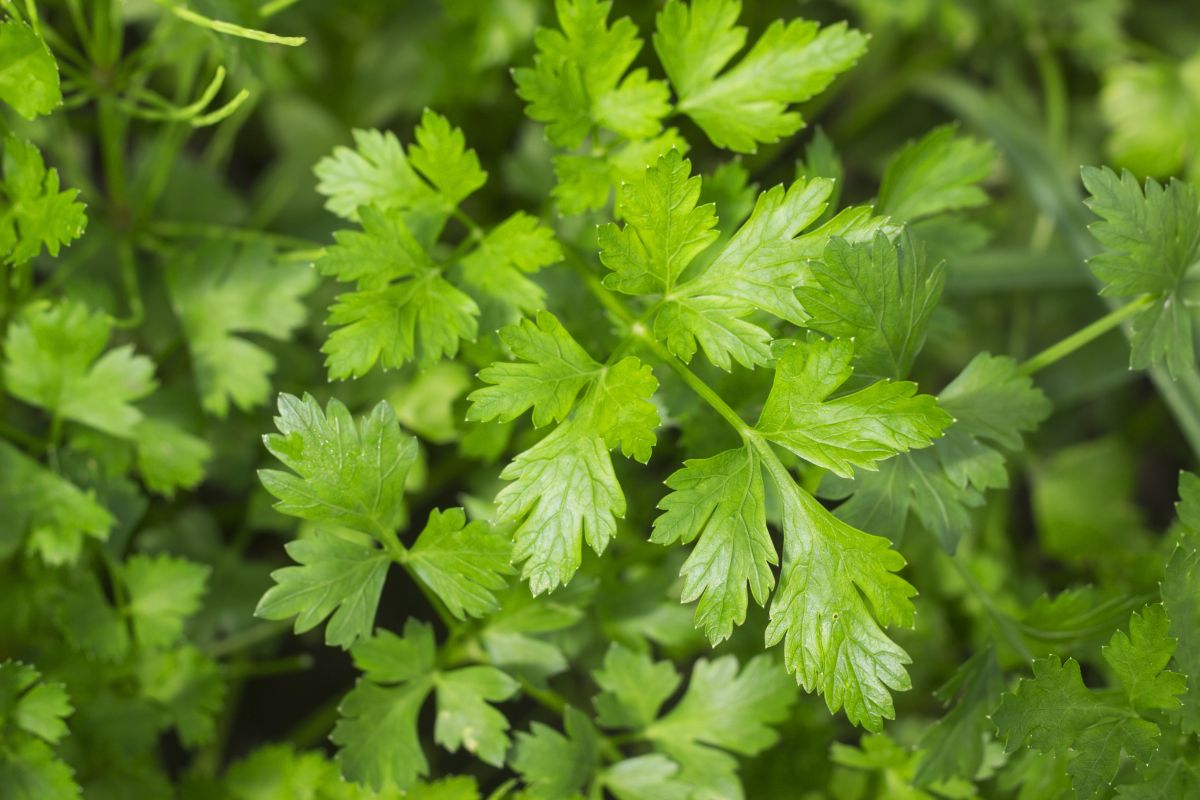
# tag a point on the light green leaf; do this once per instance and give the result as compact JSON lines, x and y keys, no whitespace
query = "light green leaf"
{"x":853,"y":430}
{"x":36,"y":213}
{"x":463,"y":563}
{"x":28,"y":71}
{"x":168,"y":457}
{"x":726,"y":708}
{"x":838,"y":590}
{"x":335,"y":577}
{"x":163,"y":592}
{"x":557,"y":370}
{"x":33,"y":706}
{"x":747,"y":104}
{"x":664,"y":230}
{"x":563,"y":492}
{"x":1139,"y":659}
{"x":634,"y":688}
{"x":720,"y":500}
{"x":55,"y":359}
{"x":578,"y":81}
{"x":441,"y":155}
{"x":465,"y":717}
{"x":937,"y":173}
{"x":220,"y":294}
{"x":346,"y":473}
{"x":1151,"y":237}
{"x":554,"y":765}
{"x":47,"y":513}
{"x":879,"y":294}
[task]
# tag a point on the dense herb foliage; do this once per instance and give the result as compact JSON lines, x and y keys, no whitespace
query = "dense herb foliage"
{"x":577,"y":399}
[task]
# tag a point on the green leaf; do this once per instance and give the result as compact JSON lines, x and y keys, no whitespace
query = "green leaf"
{"x":953,"y":747}
{"x":563,"y":492}
{"x":758,"y":269}
{"x":558,"y":369}
{"x":494,"y":272}
{"x":837,"y":591}
{"x":36,"y":213}
{"x":729,"y":709}
{"x":168,"y":457}
{"x":465,"y":717}
{"x":937,"y":173}
{"x":163,"y":592}
{"x":377,"y":731}
{"x":189,"y":688}
{"x":579,"y":78}
{"x":378,"y":173}
{"x":463,"y":563}
{"x":1180,"y":589}
{"x":1151,"y":108}
{"x":621,"y":410}
{"x":881,"y":295}
{"x":1055,"y":713}
{"x":345,"y":473}
{"x":55,"y":359}
{"x":554,"y":765}
{"x":664,"y":230}
{"x":1139,"y":659}
{"x":441,"y":155}
{"x":1151,"y":237}
{"x":853,"y":430}
{"x":221,"y":293}
{"x":649,"y":777}
{"x":748,"y":103}
{"x":28,"y":71}
{"x":335,"y":577}
{"x":423,"y":317}
{"x":634,"y":688}
{"x":31,"y":706}
{"x":720,"y":500}
{"x":30,"y":770}
{"x":50,"y":515}
{"x":586,"y":181}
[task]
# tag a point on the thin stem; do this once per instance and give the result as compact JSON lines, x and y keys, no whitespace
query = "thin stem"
{"x":1083,"y":336}
{"x":246,"y":639}
{"x":200,"y":230}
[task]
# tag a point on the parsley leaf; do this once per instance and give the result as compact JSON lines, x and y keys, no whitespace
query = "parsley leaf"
{"x":578,"y":80}
{"x":463,"y":563}
{"x":853,"y":430}
{"x":49,"y":514}
{"x":347,"y":474}
{"x":635,"y":688}
{"x":564,"y":490}
{"x":935,"y":174}
{"x":720,"y":500}
{"x":377,"y":730}
{"x":378,"y":173}
{"x":28,"y":71}
{"x":1152,"y":237}
{"x":336,"y":576}
{"x":423,"y":316}
{"x":55,"y":359}
{"x":1181,"y":598}
{"x":838,"y":588}
{"x":219,"y":292}
{"x":163,"y":592}
{"x":35,"y":213}
{"x":757,"y":269}
{"x":748,"y":103}
{"x":31,"y":719}
{"x":879,"y":294}
{"x":494,"y":271}
{"x":555,"y":765}
{"x":1055,"y":713}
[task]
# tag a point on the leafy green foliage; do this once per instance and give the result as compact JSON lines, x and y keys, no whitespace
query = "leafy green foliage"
{"x":748,"y":103}
{"x":533,"y":224}
{"x":1151,"y":236}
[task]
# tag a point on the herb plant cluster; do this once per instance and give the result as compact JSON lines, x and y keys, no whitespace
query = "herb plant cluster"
{"x":534,"y":401}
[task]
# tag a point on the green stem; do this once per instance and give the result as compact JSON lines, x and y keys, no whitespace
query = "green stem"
{"x":1086,"y":335}
{"x":183,"y":230}
{"x":246,"y":639}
